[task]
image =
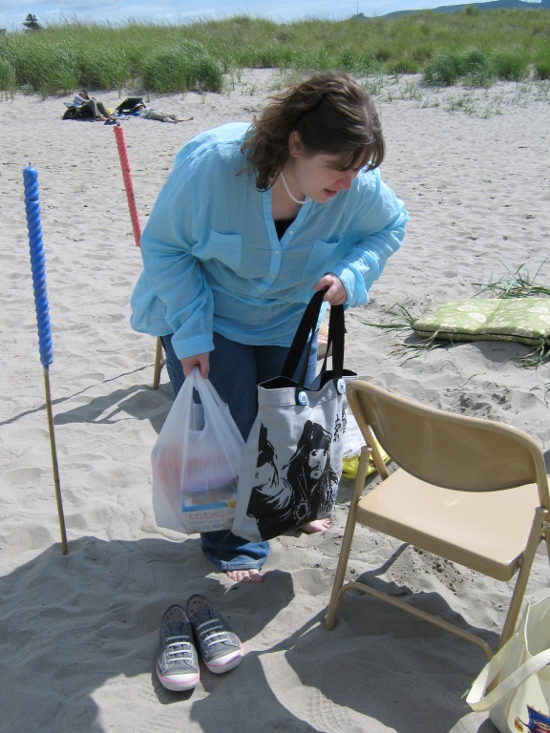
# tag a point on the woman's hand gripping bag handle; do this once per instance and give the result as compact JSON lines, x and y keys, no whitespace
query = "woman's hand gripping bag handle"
{"x":196,"y":461}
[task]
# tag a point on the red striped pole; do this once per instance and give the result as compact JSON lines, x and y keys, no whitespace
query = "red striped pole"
{"x":127,"y":178}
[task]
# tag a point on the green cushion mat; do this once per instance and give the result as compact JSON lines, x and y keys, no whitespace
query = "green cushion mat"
{"x":525,"y":320}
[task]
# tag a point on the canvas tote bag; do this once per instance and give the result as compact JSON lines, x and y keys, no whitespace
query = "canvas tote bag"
{"x":292,"y":461}
{"x":521,"y":700}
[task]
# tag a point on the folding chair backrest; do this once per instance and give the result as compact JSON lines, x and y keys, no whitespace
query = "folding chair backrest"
{"x":452,"y":451}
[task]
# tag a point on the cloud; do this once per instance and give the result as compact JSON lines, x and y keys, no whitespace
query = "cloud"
{"x":11,"y":15}
{"x":177,"y":10}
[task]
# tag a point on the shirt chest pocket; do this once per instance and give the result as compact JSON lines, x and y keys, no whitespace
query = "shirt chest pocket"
{"x":226,"y":248}
{"x":321,"y":258}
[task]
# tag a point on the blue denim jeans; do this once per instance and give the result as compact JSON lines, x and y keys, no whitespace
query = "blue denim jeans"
{"x":235,"y":372}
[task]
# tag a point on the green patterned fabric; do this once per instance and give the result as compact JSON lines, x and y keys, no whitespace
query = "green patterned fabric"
{"x":526,"y":320}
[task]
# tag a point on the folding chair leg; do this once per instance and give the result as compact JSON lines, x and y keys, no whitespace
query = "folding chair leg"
{"x":160,"y":361}
{"x":523,"y":575}
{"x":347,"y":540}
{"x":363,"y":588}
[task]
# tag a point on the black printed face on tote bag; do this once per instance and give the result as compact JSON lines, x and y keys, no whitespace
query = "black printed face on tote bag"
{"x":292,"y":461}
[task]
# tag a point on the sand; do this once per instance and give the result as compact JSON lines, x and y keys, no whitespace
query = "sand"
{"x":79,"y":632}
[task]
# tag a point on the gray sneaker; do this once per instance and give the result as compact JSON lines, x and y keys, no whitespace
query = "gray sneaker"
{"x":177,"y":661}
{"x":220,"y":648}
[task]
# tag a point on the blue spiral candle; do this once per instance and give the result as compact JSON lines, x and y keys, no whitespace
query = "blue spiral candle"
{"x":38,"y":265}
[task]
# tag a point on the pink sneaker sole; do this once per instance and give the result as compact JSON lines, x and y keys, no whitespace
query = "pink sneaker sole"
{"x":225,"y":664}
{"x":178,"y":685}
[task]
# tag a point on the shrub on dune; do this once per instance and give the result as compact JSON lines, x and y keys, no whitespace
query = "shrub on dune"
{"x":511,"y":65}
{"x":542,"y":65}
{"x":7,"y":75}
{"x":105,"y":67}
{"x":476,"y":67}
{"x":45,"y":65}
{"x":180,"y":67}
{"x":443,"y":70}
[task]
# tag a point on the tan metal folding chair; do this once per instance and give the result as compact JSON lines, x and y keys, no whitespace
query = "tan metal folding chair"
{"x":469,"y":490}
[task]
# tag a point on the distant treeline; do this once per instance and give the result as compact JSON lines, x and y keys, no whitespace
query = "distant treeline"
{"x":479,"y":47}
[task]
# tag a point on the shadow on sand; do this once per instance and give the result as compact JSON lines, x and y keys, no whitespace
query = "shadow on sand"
{"x":72,"y":623}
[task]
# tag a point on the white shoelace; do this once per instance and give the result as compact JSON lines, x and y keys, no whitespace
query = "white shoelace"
{"x":212,"y":635}
{"x":178,"y":648}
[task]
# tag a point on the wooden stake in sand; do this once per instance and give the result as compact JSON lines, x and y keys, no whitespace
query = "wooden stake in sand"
{"x":127,"y":178}
{"x":129,"y":188}
{"x":38,"y":266}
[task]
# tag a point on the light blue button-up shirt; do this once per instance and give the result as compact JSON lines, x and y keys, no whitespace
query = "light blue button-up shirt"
{"x":213,"y":261}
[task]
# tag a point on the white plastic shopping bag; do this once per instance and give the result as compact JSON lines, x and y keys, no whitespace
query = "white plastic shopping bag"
{"x":196,"y":461}
{"x":521,"y":700}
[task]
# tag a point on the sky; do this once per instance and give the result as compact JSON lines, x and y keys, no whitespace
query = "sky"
{"x":13,"y":12}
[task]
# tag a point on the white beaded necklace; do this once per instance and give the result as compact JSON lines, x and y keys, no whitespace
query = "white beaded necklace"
{"x":296,"y":201}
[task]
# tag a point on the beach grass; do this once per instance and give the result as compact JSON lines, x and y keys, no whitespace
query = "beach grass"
{"x":477,"y":68}
{"x":472,"y":47}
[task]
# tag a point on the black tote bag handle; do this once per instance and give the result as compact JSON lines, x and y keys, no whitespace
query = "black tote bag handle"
{"x":303,"y":339}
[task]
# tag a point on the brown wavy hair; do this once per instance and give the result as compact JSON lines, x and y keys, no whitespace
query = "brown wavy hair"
{"x":331,"y":112}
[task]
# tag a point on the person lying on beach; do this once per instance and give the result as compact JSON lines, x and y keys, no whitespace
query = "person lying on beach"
{"x":98,"y":110}
{"x":149,"y":113}
{"x":252,"y":220}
